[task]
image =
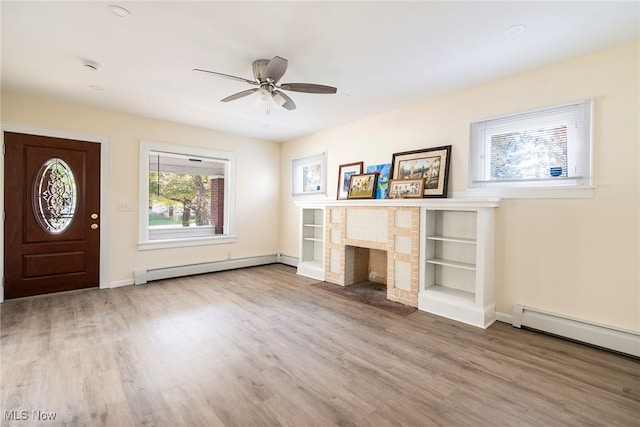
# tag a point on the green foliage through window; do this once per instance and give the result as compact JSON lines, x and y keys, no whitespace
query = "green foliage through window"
{"x":179,"y":199}
{"x":531,"y":154}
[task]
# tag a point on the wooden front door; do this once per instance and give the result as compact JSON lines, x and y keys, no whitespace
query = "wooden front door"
{"x":52,"y":207}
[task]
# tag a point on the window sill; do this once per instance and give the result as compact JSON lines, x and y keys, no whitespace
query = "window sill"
{"x":530,"y":193}
{"x":182,"y":243}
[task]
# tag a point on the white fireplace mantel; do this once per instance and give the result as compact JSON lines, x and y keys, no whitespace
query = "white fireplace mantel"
{"x":444,"y":203}
{"x":439,"y":252}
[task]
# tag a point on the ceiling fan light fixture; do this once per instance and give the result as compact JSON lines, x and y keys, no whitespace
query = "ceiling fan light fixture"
{"x":278,"y":100}
{"x":262,"y":98}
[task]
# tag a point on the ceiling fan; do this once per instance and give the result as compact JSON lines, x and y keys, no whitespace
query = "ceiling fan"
{"x":267,"y":73}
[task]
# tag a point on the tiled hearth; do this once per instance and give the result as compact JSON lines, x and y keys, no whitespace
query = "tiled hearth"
{"x":355,"y":235}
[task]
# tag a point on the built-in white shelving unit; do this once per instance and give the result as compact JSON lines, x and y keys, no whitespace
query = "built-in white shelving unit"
{"x":311,"y":261}
{"x":456,"y":275}
{"x":456,"y":252}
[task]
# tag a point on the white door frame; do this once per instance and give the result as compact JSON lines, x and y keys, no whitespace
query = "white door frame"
{"x":105,"y":189}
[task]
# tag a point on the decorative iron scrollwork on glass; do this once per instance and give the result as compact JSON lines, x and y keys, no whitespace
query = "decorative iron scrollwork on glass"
{"x":54,"y":196}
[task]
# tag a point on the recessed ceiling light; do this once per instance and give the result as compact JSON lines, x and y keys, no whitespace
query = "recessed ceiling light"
{"x":514,"y":30}
{"x":119,"y":11}
{"x":344,"y":95}
{"x":91,"y":65}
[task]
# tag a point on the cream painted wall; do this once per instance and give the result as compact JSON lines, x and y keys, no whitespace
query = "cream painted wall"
{"x":577,"y":257}
{"x":257,"y":187}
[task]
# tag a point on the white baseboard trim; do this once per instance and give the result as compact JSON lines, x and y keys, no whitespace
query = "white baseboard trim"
{"x":288,"y":260}
{"x":142,"y":276}
{"x":504,"y":318}
{"x":627,"y":342}
{"x":118,"y":284}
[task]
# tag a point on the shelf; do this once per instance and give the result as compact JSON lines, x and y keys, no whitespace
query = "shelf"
{"x":453,"y":239}
{"x":451,"y":203}
{"x":457,"y":293}
{"x":311,"y":268}
{"x":456,"y":258}
{"x":449,"y":263}
{"x":311,"y":253}
{"x":313,"y":263}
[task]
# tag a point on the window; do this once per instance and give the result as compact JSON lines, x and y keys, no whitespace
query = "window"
{"x":186,"y":196}
{"x":543,"y":150}
{"x":308,"y":175}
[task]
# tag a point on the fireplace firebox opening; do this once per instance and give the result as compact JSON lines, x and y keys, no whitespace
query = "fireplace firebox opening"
{"x":365,"y":265}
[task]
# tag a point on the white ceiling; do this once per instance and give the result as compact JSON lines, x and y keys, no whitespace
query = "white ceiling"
{"x":380,"y":55}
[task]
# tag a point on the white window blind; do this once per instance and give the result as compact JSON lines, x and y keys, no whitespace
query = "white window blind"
{"x":183,"y":164}
{"x":550,"y":147}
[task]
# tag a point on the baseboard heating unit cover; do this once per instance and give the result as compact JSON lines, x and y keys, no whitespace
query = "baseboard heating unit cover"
{"x":143,"y":276}
{"x":622,"y":341}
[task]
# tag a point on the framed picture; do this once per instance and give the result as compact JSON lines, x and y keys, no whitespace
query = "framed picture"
{"x":344,"y":175}
{"x":362,"y":186}
{"x":383,"y":171}
{"x":308,"y":175}
{"x":406,"y":188}
{"x":432,"y":164}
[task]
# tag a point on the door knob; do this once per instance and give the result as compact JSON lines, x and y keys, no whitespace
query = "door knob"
{"x":94,"y":226}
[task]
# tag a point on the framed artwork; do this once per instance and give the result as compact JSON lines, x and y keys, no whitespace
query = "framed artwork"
{"x":432,"y":164}
{"x":362,"y":186}
{"x":383,"y":171}
{"x":308,"y":175}
{"x":406,"y":188}
{"x":344,"y":175}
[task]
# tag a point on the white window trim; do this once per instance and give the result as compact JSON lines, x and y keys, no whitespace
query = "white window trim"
{"x":562,"y":189}
{"x":583,"y":192}
{"x":297,"y":167}
{"x":229,"y":236}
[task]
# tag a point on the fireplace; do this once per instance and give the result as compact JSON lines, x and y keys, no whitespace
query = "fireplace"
{"x":377,"y":244}
{"x":439,"y":252}
{"x":365,"y":265}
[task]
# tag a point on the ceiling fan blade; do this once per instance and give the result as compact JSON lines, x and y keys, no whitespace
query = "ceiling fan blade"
{"x":240,"y":95}
{"x":288,"y":102}
{"x":276,"y":68}
{"x":308,"y":88}
{"x":228,"y":76}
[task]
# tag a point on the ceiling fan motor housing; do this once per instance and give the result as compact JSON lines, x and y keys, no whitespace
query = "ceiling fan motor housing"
{"x":260,"y":69}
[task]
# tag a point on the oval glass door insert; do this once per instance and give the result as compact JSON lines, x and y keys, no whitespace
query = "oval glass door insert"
{"x":54,"y":196}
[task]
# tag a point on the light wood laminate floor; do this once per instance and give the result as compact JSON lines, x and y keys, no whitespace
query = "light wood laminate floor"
{"x":262,"y":346}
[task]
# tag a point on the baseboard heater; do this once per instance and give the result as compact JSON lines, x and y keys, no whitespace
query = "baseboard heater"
{"x":288,"y":260}
{"x":143,"y":276}
{"x":618,"y":340}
